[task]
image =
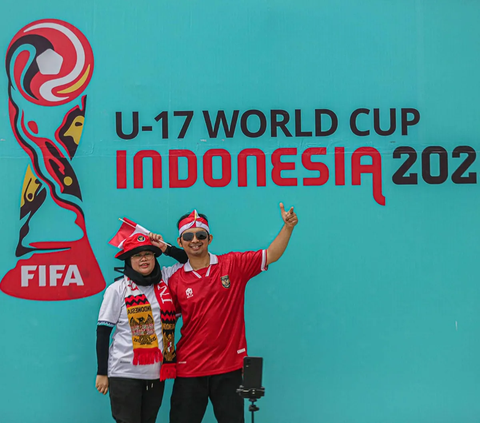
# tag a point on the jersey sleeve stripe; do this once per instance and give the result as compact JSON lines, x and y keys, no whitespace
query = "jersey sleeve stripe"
{"x":264,"y":260}
{"x":105,"y":323}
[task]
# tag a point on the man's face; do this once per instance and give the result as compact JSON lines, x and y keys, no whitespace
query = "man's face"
{"x":193,"y":246}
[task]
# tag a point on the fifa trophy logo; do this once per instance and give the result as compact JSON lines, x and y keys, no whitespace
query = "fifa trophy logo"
{"x":49,"y":63}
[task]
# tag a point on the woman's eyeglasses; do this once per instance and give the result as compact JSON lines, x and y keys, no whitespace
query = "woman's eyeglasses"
{"x":147,"y":255}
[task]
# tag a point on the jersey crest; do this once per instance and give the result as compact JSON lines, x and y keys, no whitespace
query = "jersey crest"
{"x":225,"y":281}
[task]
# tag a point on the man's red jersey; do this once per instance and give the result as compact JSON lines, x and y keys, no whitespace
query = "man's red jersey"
{"x":211,"y":301}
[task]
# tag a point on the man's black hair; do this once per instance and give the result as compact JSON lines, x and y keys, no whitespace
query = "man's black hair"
{"x":188,"y":214}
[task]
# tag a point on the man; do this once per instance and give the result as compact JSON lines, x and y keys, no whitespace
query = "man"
{"x":209,"y":292}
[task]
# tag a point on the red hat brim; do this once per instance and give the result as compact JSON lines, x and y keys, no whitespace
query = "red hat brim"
{"x":125,"y":255}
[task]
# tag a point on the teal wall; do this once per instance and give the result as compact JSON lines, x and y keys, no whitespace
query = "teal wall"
{"x":370,"y":316}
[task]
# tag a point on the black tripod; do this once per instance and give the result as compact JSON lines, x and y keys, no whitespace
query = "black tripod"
{"x":252,"y":395}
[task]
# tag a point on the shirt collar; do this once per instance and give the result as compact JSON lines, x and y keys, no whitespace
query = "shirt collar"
{"x":213,"y":260}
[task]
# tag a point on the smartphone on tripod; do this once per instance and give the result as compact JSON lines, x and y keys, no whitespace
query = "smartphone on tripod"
{"x":251,"y":387}
{"x":252,"y":372}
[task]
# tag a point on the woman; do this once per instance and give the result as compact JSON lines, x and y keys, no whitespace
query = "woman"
{"x":142,"y":353}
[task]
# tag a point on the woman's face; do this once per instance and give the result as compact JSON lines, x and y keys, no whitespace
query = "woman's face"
{"x":143,"y":262}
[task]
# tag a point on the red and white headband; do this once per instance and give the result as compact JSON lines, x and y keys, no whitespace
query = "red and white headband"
{"x":193,"y":220}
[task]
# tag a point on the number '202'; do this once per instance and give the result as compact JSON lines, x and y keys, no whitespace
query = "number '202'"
{"x":464,"y":157}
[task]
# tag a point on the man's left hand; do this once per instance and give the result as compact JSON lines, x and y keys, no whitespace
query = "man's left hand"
{"x":289,"y":217}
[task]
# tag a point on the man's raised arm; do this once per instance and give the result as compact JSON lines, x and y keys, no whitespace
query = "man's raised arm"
{"x":279,"y":244}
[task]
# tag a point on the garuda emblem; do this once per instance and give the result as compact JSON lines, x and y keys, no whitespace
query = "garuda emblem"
{"x":225,"y":281}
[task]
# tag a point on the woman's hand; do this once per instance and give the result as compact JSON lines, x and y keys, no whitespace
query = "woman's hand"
{"x":157,"y":240}
{"x":101,"y":383}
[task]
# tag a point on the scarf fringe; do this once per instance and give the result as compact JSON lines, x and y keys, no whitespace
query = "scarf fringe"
{"x":144,"y":356}
{"x":168,"y":371}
